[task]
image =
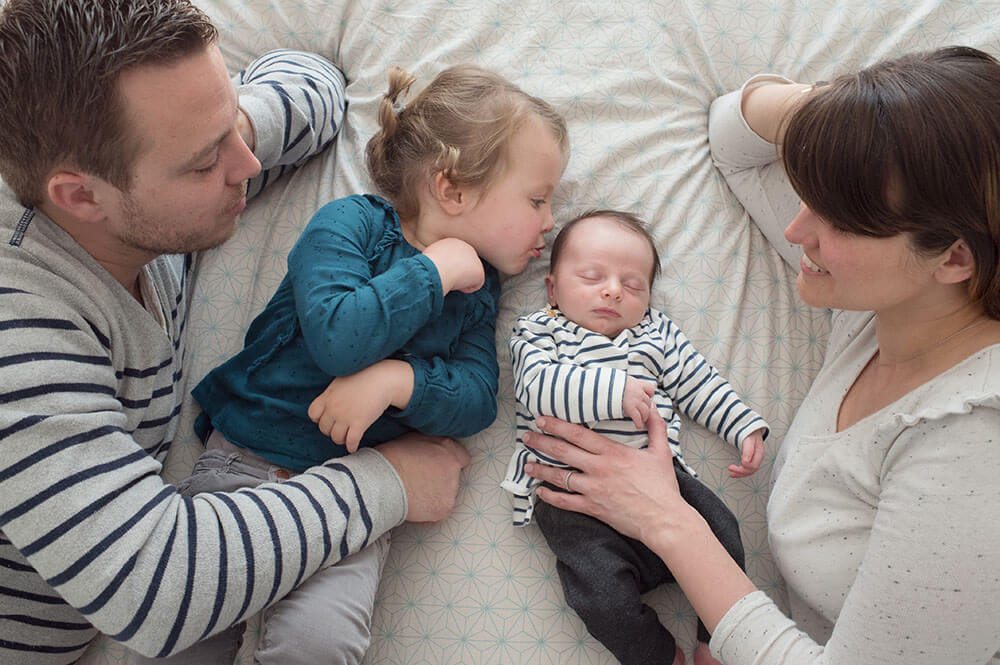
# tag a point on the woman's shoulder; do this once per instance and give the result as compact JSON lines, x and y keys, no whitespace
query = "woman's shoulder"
{"x":970,"y":388}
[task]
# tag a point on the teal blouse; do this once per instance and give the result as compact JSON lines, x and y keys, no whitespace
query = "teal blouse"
{"x":355,"y":293}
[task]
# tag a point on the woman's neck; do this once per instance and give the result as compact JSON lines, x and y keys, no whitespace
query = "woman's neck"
{"x":913,"y":340}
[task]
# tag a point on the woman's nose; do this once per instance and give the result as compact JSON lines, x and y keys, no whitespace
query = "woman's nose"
{"x":798,"y":230}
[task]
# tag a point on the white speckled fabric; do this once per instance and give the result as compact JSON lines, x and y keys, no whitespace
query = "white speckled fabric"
{"x":634,"y":79}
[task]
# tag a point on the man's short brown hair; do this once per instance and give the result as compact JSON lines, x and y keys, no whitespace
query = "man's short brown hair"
{"x":60,"y":63}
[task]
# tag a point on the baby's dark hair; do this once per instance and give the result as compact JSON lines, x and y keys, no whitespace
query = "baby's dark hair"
{"x":625,"y":219}
{"x":461,"y":125}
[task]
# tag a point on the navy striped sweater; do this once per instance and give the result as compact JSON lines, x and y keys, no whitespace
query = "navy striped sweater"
{"x":90,"y":389}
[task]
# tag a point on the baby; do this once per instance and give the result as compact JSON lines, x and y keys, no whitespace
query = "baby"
{"x":599,"y":355}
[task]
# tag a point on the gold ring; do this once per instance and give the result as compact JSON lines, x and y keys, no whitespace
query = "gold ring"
{"x":566,"y":479}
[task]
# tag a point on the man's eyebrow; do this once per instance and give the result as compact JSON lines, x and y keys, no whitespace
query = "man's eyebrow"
{"x":206,"y":151}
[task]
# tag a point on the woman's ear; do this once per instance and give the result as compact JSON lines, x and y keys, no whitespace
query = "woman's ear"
{"x":956,"y":264}
{"x":77,"y":195}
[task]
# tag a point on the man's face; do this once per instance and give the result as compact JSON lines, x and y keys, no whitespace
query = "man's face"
{"x":187,"y":185}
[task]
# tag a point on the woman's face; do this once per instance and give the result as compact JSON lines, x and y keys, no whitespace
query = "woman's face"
{"x":844,"y":270}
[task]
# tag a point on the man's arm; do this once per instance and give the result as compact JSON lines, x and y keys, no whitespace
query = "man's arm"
{"x":295,"y":103}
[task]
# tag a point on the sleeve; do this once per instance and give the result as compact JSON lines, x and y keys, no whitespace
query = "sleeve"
{"x":549,"y":383}
{"x":698,"y":390}
{"x":926,"y":591}
{"x":350,"y":316}
{"x":457,"y":396}
{"x":296,"y":103}
{"x":752,"y":169}
{"x":85,"y":505}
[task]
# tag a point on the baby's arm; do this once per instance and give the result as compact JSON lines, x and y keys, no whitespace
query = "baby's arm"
{"x":638,"y":400}
{"x":751,"y":456}
{"x":700,"y":392}
{"x":547,"y":383}
{"x":350,"y":404}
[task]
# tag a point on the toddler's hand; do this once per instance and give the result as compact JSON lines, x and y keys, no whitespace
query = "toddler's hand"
{"x":458,"y":265}
{"x":350,"y":404}
{"x":752,"y":456}
{"x":637,"y":402}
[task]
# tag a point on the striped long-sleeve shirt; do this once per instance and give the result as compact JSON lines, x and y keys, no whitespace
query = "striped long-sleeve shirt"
{"x":90,"y":389}
{"x":566,"y":371}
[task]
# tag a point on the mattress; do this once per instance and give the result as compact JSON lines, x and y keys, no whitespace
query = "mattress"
{"x":634,"y":80}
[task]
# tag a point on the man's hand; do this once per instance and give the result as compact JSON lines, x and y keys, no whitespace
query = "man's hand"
{"x":752,"y":456}
{"x":637,"y":402}
{"x":350,"y":404}
{"x":429,"y":467}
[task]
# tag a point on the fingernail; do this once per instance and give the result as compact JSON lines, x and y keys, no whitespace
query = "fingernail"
{"x":540,"y":422}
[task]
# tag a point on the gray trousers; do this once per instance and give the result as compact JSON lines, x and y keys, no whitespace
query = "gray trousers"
{"x":325,"y":620}
{"x":604,"y":573}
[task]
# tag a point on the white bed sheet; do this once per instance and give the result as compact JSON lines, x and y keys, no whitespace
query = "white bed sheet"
{"x":634,"y":80}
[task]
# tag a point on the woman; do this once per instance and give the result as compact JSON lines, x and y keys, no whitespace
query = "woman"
{"x":881,"y":518}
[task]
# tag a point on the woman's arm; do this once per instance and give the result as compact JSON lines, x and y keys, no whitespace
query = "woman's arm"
{"x":925,"y":591}
{"x":743,"y":126}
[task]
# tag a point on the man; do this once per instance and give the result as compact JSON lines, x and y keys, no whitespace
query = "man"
{"x":126,"y":147}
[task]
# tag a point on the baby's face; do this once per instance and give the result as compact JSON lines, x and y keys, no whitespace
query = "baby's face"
{"x":602,"y":279}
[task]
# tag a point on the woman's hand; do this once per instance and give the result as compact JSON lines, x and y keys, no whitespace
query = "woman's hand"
{"x":635,"y":492}
{"x":631,"y":490}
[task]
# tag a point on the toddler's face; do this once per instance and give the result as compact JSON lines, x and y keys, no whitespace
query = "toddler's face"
{"x":602,"y":278}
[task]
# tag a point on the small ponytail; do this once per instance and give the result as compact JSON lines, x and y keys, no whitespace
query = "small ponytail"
{"x":459,"y":125}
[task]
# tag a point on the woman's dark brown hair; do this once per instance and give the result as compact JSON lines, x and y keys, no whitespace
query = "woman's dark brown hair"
{"x":910,"y":145}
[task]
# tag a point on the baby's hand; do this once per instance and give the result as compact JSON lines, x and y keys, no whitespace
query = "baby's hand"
{"x":637,"y":402}
{"x":753,"y":455}
{"x":458,"y":265}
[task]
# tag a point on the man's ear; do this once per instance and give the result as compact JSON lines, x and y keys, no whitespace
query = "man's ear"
{"x":956,"y":264}
{"x":78,"y":195}
{"x":453,"y":199}
{"x":550,"y":290}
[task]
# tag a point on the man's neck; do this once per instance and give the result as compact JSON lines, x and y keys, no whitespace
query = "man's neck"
{"x":121,"y":261}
